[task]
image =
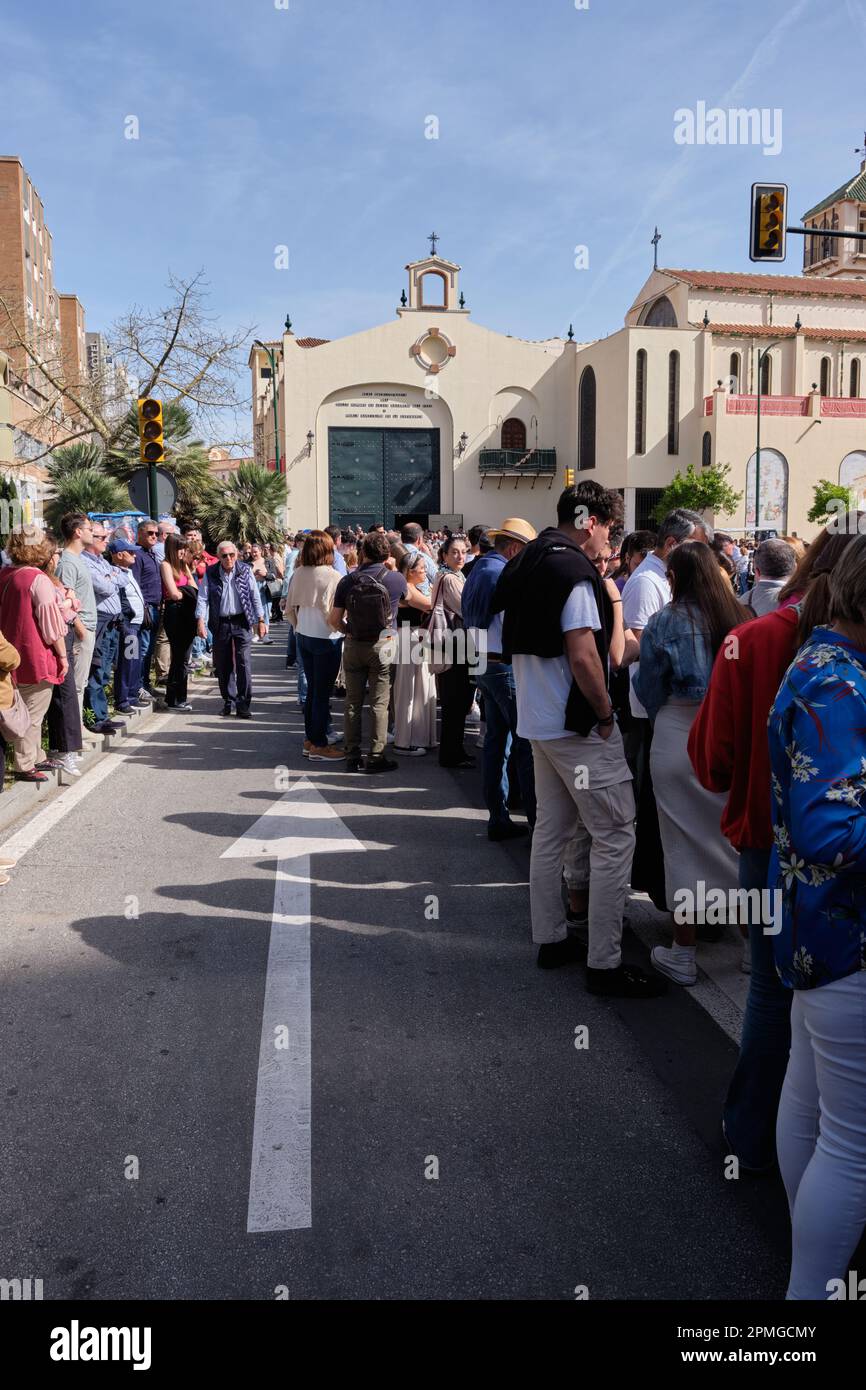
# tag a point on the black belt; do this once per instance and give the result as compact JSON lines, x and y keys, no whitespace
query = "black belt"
{"x":233,"y":617}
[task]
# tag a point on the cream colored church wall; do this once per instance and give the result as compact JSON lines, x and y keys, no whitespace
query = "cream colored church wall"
{"x":462,"y":397}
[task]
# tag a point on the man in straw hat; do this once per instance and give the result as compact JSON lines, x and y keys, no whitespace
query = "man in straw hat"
{"x":495,"y":679}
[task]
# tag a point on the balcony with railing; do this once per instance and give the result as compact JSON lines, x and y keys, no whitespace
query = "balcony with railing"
{"x":517,"y":463}
{"x":831,"y":407}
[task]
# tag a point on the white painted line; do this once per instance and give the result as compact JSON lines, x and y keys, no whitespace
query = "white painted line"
{"x":45,"y":818}
{"x":280,"y":1173}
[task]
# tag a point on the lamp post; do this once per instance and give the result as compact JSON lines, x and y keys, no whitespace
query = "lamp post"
{"x":761,"y":358}
{"x":273,"y":361}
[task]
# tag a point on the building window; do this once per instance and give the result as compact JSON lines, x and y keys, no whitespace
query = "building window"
{"x":674,"y":403}
{"x":513,"y":435}
{"x":586,"y":420}
{"x":640,"y":403}
{"x":734,"y":373}
{"x":855,"y":377}
{"x":825,"y":376}
{"x":645,"y":502}
{"x":766,"y":386}
{"x":660,"y":314}
{"x":707,"y":450}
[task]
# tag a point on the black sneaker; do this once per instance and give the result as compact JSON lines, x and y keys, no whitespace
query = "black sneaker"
{"x":625,"y":982}
{"x":355,"y":763}
{"x":555,"y":953}
{"x":508,"y":831}
{"x":382,"y":764}
{"x":226,"y":709}
{"x":243,"y":714}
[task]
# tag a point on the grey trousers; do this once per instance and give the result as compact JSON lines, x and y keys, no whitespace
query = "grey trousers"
{"x":581,"y":819}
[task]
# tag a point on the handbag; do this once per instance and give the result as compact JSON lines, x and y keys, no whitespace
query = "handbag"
{"x":15,"y":721}
{"x":275,"y":587}
{"x":437,"y":630}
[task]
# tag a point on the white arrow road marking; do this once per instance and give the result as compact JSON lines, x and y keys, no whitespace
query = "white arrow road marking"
{"x":300,"y":824}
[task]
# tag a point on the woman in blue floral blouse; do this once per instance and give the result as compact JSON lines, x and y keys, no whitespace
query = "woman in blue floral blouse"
{"x":817,"y":730}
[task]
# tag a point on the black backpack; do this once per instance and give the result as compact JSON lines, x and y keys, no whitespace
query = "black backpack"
{"x":368,"y":606}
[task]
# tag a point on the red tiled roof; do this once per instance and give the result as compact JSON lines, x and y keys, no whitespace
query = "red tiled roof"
{"x":767,"y":330}
{"x":770,"y":284}
{"x":311,"y":342}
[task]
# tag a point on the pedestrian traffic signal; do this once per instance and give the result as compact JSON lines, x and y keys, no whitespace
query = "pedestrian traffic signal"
{"x":769,"y":211}
{"x":151,"y":442}
{"x":569,"y":477}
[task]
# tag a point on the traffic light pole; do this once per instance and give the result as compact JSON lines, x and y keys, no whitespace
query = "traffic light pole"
{"x":821,"y":232}
{"x":151,"y":490}
{"x":761,"y":359}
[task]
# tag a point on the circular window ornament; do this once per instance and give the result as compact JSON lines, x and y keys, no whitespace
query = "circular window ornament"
{"x":433,"y":350}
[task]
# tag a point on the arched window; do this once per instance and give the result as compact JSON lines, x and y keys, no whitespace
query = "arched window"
{"x":674,"y":403}
{"x":586,"y":420}
{"x":640,"y":402}
{"x":774,"y":492}
{"x":660,"y":314}
{"x":734,"y":373}
{"x":707,"y":450}
{"x":826,"y":241}
{"x":766,"y":386}
{"x":825,"y":376}
{"x":513,"y":435}
{"x":855,"y":378}
{"x":433,"y":290}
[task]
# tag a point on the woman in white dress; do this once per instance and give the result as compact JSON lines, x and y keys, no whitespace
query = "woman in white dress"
{"x":414,"y":683}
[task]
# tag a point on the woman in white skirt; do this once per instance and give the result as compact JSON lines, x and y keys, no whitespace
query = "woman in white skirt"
{"x":414,"y":684}
{"x":677,"y":651}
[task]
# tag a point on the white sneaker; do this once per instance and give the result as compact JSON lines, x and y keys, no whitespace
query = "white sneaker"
{"x":677,"y":962}
{"x":66,"y":763}
{"x":256,"y":640}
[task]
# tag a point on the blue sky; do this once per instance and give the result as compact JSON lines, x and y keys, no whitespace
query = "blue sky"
{"x":262,"y":126}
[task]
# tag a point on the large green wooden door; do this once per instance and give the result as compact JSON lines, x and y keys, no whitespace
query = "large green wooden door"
{"x":376,"y":475}
{"x":356,"y":477}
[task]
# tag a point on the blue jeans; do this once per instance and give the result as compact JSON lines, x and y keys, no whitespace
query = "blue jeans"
{"x":127,"y":677}
{"x":148,"y":643}
{"x":756,"y":1085}
{"x":500,"y":712}
{"x":291,"y":647}
{"x":101,"y":668}
{"x":321,"y":664}
{"x":302,"y":675}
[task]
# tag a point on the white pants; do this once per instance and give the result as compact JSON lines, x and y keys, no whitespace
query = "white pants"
{"x":82,"y":658}
{"x":586,"y":821}
{"x":821,"y":1132}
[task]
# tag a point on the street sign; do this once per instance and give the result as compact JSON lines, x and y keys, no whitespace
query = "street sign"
{"x":166,"y":490}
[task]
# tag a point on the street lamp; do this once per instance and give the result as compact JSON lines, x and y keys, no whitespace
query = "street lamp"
{"x":761,"y":357}
{"x":273,"y":361}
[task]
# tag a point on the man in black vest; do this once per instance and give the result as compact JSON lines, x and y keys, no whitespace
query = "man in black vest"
{"x":229,"y":604}
{"x":557,"y":628}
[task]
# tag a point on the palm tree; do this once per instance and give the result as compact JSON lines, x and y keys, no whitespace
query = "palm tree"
{"x":245,"y":506}
{"x":185,"y":458}
{"x":82,"y":490}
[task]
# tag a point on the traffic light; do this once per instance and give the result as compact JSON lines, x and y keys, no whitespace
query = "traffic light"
{"x":151,"y":442}
{"x":769,"y":213}
{"x":569,"y":477}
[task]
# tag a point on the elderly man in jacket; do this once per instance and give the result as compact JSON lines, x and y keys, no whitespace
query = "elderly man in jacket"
{"x":230,"y":605}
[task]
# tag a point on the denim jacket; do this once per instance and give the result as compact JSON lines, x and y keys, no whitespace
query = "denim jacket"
{"x":675,"y":658}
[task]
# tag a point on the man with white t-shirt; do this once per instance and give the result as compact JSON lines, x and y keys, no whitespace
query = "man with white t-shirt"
{"x":557,"y":627}
{"x":646,"y":592}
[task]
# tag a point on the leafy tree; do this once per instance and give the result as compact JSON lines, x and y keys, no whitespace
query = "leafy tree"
{"x":245,"y":506}
{"x":830,"y":500}
{"x":699,"y":490}
{"x":10,"y":503}
{"x":185,"y":458}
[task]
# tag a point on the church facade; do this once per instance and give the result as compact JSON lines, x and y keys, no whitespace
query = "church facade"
{"x":433,"y":417}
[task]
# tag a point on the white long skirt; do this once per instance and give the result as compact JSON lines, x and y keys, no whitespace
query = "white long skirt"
{"x":414,"y":703}
{"x":698,"y":858}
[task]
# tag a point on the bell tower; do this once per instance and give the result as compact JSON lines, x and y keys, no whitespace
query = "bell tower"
{"x":434,"y":285}
{"x":842,"y":211}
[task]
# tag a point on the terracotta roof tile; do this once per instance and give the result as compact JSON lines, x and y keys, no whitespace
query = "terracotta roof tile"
{"x":765,"y":330}
{"x":837,"y":288}
{"x":311,"y":342}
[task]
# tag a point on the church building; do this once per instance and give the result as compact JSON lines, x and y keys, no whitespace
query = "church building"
{"x":432,"y":417}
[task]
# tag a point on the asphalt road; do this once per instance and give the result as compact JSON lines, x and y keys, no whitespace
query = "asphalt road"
{"x":134,"y":963}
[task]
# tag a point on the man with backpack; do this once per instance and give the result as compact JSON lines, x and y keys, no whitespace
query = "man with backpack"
{"x":365,"y":609}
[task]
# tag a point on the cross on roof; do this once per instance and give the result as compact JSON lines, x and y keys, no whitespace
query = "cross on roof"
{"x":863,"y":150}
{"x":655,"y":245}
{"x":433,"y":238}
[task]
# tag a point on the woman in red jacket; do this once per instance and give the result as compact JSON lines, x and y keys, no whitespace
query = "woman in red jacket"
{"x":729,"y":750}
{"x":32,"y":621}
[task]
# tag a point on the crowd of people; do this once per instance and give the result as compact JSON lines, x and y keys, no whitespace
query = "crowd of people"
{"x":673,"y":712}
{"x":676,"y":713}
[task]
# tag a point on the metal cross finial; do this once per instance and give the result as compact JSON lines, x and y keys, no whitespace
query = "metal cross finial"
{"x":863,"y":151}
{"x":655,"y":245}
{"x":433,"y":238}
